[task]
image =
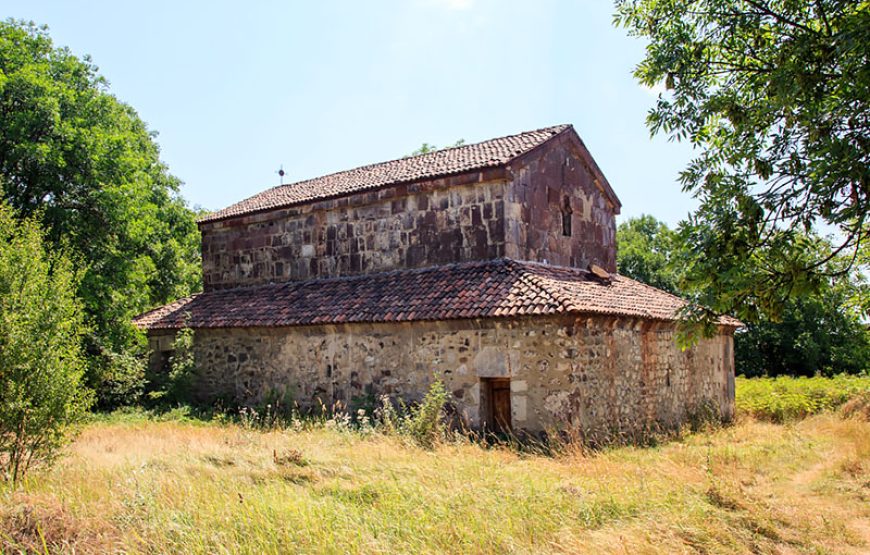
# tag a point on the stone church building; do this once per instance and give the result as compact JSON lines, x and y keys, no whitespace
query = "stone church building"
{"x":490,"y":266}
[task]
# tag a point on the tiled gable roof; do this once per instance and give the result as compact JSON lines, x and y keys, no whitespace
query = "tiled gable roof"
{"x":450,"y":161}
{"x":485,"y":289}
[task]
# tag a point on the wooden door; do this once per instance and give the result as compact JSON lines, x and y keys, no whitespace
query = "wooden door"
{"x":500,"y":404}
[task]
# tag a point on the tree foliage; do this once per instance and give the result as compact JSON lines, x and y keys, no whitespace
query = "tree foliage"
{"x":426,"y":148}
{"x":73,"y":153}
{"x":774,"y":94}
{"x":816,"y":334}
{"x":646,"y":249}
{"x":820,"y":332}
{"x":41,"y":363}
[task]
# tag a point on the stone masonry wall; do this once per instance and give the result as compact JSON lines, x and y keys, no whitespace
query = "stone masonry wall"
{"x":372,"y":232}
{"x":554,"y":183}
{"x":515,"y":213}
{"x":590,"y":374}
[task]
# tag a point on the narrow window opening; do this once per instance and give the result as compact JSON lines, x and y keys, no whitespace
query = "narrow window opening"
{"x":566,"y":217}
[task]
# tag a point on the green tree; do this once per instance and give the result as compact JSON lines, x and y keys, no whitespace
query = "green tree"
{"x":73,"y":153}
{"x":426,"y":148}
{"x":816,"y":334}
{"x":41,"y":363}
{"x":774,"y":95}
{"x":645,"y":253}
{"x":821,"y":332}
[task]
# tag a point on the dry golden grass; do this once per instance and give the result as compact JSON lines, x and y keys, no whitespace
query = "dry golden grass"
{"x":155,"y":487}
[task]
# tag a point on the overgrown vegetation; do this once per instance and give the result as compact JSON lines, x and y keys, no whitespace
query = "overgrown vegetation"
{"x":174,"y":388}
{"x":137,"y":484}
{"x":423,"y":423}
{"x":84,"y":161}
{"x":785,"y":398}
{"x":41,"y":363}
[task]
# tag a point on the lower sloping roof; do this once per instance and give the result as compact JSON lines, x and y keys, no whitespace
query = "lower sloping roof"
{"x":484,"y":289}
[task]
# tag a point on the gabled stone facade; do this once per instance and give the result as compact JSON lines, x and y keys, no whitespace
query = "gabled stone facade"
{"x":516,"y":212}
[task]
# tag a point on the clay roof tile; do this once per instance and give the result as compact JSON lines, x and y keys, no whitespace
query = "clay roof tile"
{"x":463,"y":159}
{"x":493,"y":288}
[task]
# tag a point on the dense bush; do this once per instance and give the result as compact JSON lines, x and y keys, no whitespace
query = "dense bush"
{"x":173,"y":388}
{"x":41,"y":363}
{"x":784,"y":398}
{"x":424,"y":424}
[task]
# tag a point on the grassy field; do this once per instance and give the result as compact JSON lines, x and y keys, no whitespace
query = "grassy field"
{"x":784,"y":398}
{"x":138,"y":484}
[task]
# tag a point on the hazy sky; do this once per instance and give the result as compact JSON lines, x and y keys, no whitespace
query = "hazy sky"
{"x":236,"y":89}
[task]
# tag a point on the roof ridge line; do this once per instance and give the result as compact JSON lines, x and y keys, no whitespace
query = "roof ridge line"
{"x":555,"y":130}
{"x":493,"y":288}
{"x":466,"y":145}
{"x":445,"y":149}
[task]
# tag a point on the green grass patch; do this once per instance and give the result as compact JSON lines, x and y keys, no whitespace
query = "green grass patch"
{"x":140,"y":482}
{"x":784,"y":398}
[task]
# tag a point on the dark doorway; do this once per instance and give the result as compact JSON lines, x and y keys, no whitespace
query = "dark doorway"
{"x":165,"y":361}
{"x":497,"y":414}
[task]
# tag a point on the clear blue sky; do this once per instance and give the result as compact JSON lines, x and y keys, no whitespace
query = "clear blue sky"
{"x":236,"y":89}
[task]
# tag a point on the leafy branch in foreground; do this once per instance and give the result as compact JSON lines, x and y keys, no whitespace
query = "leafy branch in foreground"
{"x":775,"y":94}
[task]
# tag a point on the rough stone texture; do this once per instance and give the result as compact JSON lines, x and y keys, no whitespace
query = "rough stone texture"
{"x":514,"y":212}
{"x":547,"y":203}
{"x":403,"y":227}
{"x":549,"y":181}
{"x":595,"y":375}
